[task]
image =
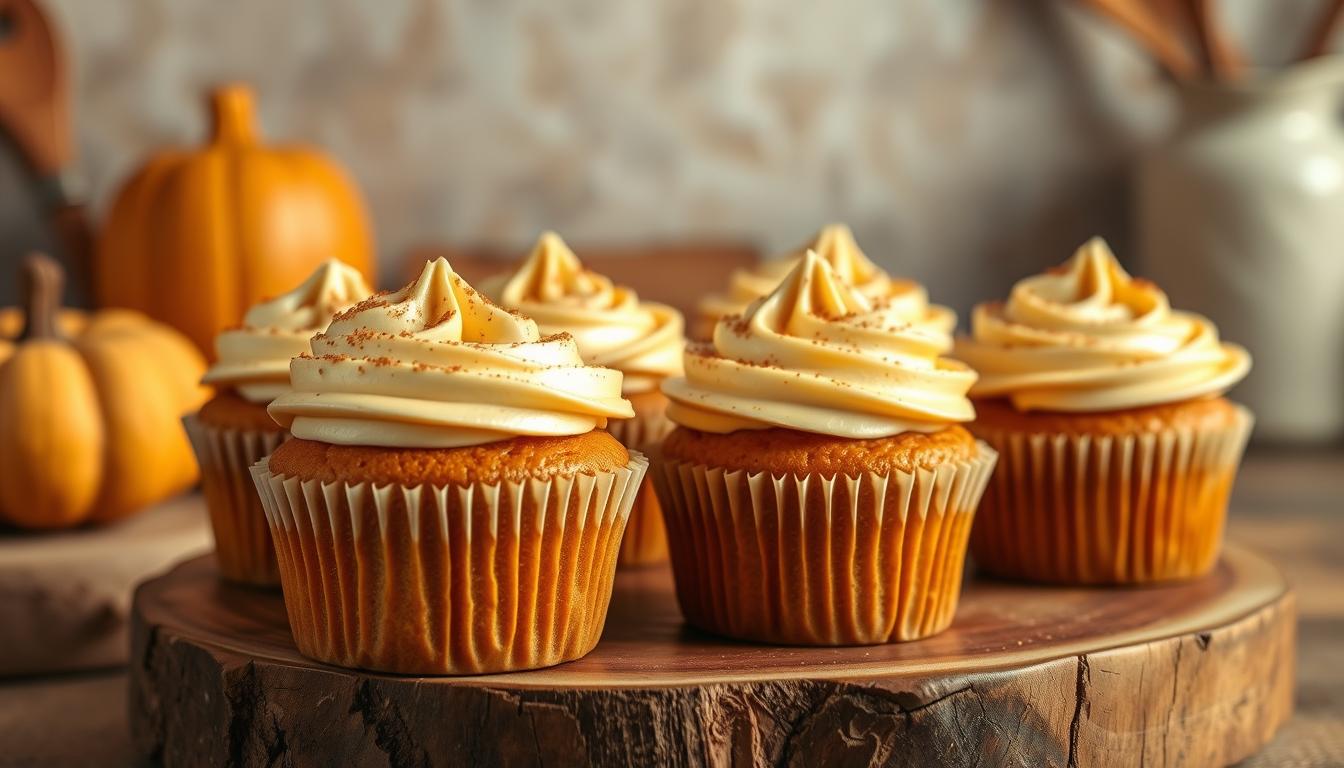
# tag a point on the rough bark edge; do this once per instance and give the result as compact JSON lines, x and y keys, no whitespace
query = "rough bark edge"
{"x":192,"y":705}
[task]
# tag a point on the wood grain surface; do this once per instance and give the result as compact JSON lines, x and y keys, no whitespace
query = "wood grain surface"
{"x":1191,"y":674}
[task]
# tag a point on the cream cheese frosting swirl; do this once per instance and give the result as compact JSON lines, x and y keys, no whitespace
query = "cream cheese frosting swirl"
{"x":437,"y":365}
{"x":816,"y":355}
{"x":254,"y":358}
{"x":835,"y":244}
{"x":612,"y":327}
{"x":1087,"y":337}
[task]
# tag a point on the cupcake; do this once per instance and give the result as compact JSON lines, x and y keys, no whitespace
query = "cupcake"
{"x":613,"y":329}
{"x":1117,"y":449}
{"x":232,"y":430}
{"x":449,"y":503}
{"x":818,"y":488}
{"x":904,"y":299}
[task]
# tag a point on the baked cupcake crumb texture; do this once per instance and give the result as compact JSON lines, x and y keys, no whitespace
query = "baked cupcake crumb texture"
{"x":790,"y":452}
{"x":1206,"y":413}
{"x":514,"y":460}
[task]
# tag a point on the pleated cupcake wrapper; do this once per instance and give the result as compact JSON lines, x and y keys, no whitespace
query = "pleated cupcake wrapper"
{"x":243,"y":547}
{"x":816,"y":560}
{"x":645,"y":541}
{"x":1122,"y":509}
{"x":641,"y":430}
{"x":448,"y":580}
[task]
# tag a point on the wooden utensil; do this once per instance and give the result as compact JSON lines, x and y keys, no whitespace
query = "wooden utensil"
{"x":1177,"y":18}
{"x":1183,"y":35}
{"x":1324,"y":30}
{"x":1145,"y":27}
{"x":35,"y":113}
{"x":1197,"y":23}
{"x":1225,"y":63}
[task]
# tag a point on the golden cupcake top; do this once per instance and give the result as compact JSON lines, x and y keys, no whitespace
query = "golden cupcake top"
{"x":254,"y":358}
{"x":610,"y":324}
{"x":817,"y":355}
{"x":836,"y":246}
{"x":1087,"y":337}
{"x":438,"y":365}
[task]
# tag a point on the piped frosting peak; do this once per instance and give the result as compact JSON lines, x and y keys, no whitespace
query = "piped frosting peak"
{"x":609,"y":322}
{"x":438,"y":365}
{"x":1088,"y":337}
{"x":835,"y":245}
{"x":817,"y":355}
{"x":254,"y":358}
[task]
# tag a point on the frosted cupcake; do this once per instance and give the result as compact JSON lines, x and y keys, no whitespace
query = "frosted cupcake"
{"x":1117,"y":449}
{"x":449,"y":503}
{"x":613,"y":328}
{"x":905,"y":300}
{"x":818,"y":489}
{"x":232,"y":431}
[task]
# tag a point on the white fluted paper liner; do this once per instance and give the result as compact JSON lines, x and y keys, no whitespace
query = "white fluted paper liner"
{"x":816,"y":560}
{"x":645,"y":540}
{"x":1113,"y":509}
{"x":448,"y":580}
{"x":243,"y":547}
{"x":642,"y":430}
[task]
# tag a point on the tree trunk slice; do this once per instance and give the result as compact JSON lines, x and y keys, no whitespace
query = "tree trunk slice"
{"x":65,"y":597}
{"x":1195,"y":674}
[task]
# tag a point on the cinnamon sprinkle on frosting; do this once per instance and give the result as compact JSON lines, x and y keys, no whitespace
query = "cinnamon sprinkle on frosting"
{"x":816,"y":355}
{"x":407,"y":369}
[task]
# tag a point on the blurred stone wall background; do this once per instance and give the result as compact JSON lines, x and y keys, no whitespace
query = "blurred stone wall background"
{"x":966,"y":141}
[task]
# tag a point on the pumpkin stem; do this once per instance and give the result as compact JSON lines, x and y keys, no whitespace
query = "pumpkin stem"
{"x":43,"y":282}
{"x":232,"y":114}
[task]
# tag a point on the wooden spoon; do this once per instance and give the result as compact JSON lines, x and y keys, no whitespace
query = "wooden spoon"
{"x":1175,"y":17}
{"x":35,"y":113}
{"x":1184,"y":35}
{"x":1150,"y":32}
{"x":1323,"y":31}
{"x":1225,"y":62}
{"x":1195,"y":24}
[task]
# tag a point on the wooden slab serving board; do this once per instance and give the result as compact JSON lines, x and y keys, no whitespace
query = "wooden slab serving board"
{"x":1194,"y":674}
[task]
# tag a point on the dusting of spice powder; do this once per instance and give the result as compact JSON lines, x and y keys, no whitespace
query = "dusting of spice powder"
{"x":376,"y":301}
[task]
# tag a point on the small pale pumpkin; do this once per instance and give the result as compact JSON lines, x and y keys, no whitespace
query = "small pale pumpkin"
{"x":90,"y":409}
{"x":198,"y":236}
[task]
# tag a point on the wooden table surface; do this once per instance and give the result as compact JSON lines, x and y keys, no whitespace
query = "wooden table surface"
{"x":1289,"y":506}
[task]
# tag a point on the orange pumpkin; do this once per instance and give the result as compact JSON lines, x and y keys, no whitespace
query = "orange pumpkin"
{"x":90,"y":409}
{"x":196,"y":237}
